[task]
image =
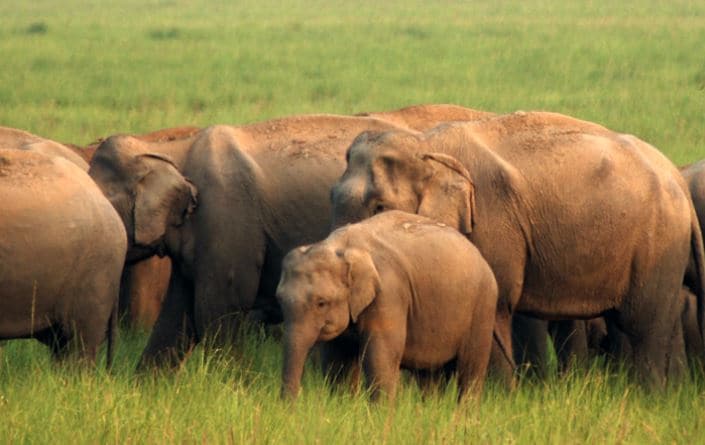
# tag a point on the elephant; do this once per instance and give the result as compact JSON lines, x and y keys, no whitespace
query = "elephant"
{"x":11,"y":138}
{"x":226,"y":204}
{"x":405,"y":290}
{"x":531,"y":334}
{"x":61,"y":255}
{"x":576,"y":221}
{"x":144,"y":284}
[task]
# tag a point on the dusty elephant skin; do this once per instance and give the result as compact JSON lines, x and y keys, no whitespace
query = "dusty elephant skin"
{"x":225,"y":205}
{"x":531,"y":334}
{"x":575,"y":220}
{"x":61,"y":254}
{"x":143,"y":284}
{"x":406,"y":290}
{"x":11,"y":138}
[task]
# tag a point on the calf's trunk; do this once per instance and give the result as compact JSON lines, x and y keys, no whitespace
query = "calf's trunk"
{"x":297,"y":345}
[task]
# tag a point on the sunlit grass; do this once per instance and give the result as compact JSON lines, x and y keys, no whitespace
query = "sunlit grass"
{"x":77,"y":70}
{"x":234,"y":397}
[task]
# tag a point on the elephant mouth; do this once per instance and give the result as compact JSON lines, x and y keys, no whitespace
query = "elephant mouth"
{"x":329,"y":332}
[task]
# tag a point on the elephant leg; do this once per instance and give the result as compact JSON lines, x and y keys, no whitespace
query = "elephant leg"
{"x":509,"y":273}
{"x":570,"y":342}
{"x":691,"y":332}
{"x":227,"y":282}
{"x":474,"y":355}
{"x":530,"y":337}
{"x":675,"y":356}
{"x":173,"y":335}
{"x":381,"y":360}
{"x":615,"y":344}
{"x":649,"y":329}
{"x":596,"y":336}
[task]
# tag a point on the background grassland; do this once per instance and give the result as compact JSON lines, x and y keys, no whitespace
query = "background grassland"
{"x":81,"y":69}
{"x":77,"y":70}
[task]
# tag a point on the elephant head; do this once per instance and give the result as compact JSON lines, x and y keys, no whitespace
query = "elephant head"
{"x":320,"y":291}
{"x":147,"y":190}
{"x":394,"y":170}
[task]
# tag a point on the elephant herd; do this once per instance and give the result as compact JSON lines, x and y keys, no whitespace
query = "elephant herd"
{"x":435,"y":238}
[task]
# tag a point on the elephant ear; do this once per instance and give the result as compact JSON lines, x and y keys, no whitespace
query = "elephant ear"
{"x":448,"y":193}
{"x":363,"y":281}
{"x":163,"y":198}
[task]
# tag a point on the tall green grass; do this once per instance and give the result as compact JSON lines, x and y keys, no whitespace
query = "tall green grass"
{"x":233,"y":398}
{"x":77,"y":70}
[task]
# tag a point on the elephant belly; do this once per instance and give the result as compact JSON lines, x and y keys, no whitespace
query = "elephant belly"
{"x":429,"y":353}
{"x":23,"y":311}
{"x":558,"y":300}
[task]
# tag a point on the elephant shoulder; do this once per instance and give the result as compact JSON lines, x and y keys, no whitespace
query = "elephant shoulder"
{"x":224,"y":154}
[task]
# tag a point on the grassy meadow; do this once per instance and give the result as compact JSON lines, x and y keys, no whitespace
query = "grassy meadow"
{"x":77,"y":70}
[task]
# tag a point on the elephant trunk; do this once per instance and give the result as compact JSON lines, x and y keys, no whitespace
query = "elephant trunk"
{"x":348,"y":204}
{"x":297,"y":344}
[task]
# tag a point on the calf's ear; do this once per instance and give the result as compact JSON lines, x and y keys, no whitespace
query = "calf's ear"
{"x":362,"y":280}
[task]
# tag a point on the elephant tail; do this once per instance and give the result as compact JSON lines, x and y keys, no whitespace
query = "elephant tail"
{"x":112,"y":334}
{"x":504,"y":348}
{"x":698,"y":265}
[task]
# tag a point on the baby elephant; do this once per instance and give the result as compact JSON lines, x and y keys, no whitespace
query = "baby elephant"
{"x":401,"y":290}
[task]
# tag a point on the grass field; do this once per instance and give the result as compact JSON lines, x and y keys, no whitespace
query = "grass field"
{"x":78,"y":70}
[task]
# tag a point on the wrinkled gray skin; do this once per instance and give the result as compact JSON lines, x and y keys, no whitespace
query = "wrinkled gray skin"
{"x":225,"y":205}
{"x":531,"y":334}
{"x":406,"y":290}
{"x":21,"y":140}
{"x":524,"y":188}
{"x":61,"y":255}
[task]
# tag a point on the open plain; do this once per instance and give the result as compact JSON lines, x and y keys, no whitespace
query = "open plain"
{"x":79,"y":70}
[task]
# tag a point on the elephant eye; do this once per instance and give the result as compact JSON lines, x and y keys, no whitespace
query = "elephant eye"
{"x":321,"y":304}
{"x":379,"y":208}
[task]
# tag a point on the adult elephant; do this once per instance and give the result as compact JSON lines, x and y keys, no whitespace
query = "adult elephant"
{"x":576,"y":220}
{"x":61,"y":255}
{"x":573,"y":339}
{"x":261,"y":190}
{"x":143,"y":284}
